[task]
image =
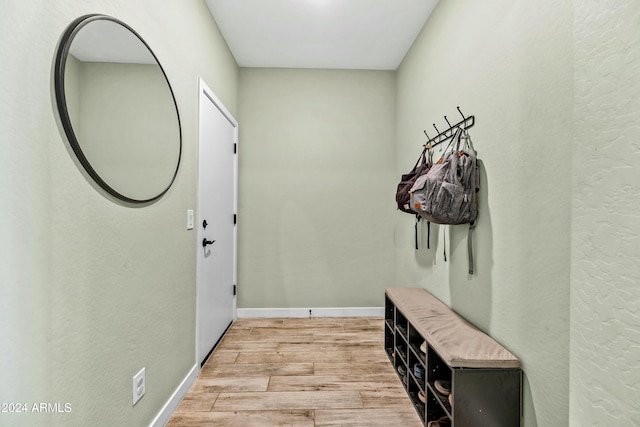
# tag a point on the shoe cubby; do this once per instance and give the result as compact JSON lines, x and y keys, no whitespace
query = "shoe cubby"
{"x":389,"y":314}
{"x":450,"y":369}
{"x":417,"y":344}
{"x":388,"y":345}
{"x":434,"y":411}
{"x":439,"y":374}
{"x":401,"y":324}
{"x":389,"y":330}
{"x":401,"y":349}
{"x":415,"y":391}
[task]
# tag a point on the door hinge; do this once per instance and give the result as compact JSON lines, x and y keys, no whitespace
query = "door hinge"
{"x":235,"y":219}
{"x":235,"y":148}
{"x":234,"y":290}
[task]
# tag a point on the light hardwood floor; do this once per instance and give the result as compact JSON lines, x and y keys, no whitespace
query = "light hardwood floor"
{"x":298,"y":372}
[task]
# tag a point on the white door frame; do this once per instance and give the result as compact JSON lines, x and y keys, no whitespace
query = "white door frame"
{"x":203,"y":89}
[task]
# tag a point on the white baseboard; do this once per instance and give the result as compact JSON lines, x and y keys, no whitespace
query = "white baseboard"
{"x":315,"y":312}
{"x":169,"y":408}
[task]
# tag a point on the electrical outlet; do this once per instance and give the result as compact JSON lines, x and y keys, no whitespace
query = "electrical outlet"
{"x":138,"y":386}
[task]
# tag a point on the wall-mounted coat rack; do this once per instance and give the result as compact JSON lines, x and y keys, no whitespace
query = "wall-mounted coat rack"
{"x":465,"y":123}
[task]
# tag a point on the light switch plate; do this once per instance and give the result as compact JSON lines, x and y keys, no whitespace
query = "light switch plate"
{"x":189,"y":219}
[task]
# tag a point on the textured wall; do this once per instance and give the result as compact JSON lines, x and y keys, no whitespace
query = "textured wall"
{"x":605,"y":295}
{"x":510,"y":64}
{"x":316,"y":172}
{"x":92,"y":290}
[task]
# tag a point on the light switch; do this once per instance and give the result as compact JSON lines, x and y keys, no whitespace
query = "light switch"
{"x":189,"y":219}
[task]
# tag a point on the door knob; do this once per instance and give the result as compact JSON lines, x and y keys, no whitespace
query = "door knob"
{"x":206,"y":242}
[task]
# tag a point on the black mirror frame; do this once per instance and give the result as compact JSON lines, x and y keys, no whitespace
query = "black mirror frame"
{"x":59,"y":72}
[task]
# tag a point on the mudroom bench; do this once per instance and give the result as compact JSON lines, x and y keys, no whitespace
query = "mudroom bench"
{"x":451,"y":370}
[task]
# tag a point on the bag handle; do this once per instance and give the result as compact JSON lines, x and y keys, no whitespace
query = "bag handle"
{"x":421,"y":160}
{"x":468,"y":144}
{"x":457,"y":146}
{"x":458,"y":137}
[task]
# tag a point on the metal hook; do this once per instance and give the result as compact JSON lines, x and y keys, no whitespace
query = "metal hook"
{"x":463,"y":117}
{"x":434,"y":125}
{"x":425,"y":132}
{"x":450,"y":127}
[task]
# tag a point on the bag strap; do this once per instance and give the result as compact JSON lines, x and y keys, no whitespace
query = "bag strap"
{"x":421,"y":159}
{"x":454,"y":146}
{"x":458,"y":138}
{"x":418,"y":218}
{"x":468,"y":144}
{"x":444,"y":240}
{"x":470,"y":245}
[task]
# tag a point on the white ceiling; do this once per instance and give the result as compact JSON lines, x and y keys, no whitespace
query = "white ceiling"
{"x":345,"y":34}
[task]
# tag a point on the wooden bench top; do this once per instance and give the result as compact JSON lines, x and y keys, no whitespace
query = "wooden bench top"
{"x":458,"y":342}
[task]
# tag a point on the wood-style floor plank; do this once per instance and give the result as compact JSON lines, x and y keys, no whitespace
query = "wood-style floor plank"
{"x":247,"y":345}
{"x":299,"y":418}
{"x":221,"y":357}
{"x":258,"y":370}
{"x":287,"y":400}
{"x":346,"y":368}
{"x":230,"y":384}
{"x":384,"y":417}
{"x":197,"y":401}
{"x":298,"y":372}
{"x":360,"y":383}
{"x":384,"y":398}
{"x":303,"y":356}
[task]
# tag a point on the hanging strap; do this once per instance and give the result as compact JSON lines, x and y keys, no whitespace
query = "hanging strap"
{"x":451,"y":145}
{"x":418,"y":218}
{"x":470,"y":245}
{"x":468,"y":145}
{"x":422,"y":159}
{"x":444,"y":239}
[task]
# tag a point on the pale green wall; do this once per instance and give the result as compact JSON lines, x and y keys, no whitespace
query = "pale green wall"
{"x":510,"y":64}
{"x":605,"y":277}
{"x":74,"y":265}
{"x":91,"y":290}
{"x":316,"y":174}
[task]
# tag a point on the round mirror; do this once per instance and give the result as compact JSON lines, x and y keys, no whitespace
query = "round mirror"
{"x":117,"y":108}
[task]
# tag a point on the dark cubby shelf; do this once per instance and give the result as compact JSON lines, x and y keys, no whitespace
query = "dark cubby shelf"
{"x":419,"y":354}
{"x":441,"y":398}
{"x":389,"y":324}
{"x":489,"y":395}
{"x":402,"y":331}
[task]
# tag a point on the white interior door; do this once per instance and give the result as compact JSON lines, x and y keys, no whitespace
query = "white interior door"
{"x":217,"y":199}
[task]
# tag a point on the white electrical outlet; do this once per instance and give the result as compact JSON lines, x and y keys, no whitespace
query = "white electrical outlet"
{"x":138,"y":386}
